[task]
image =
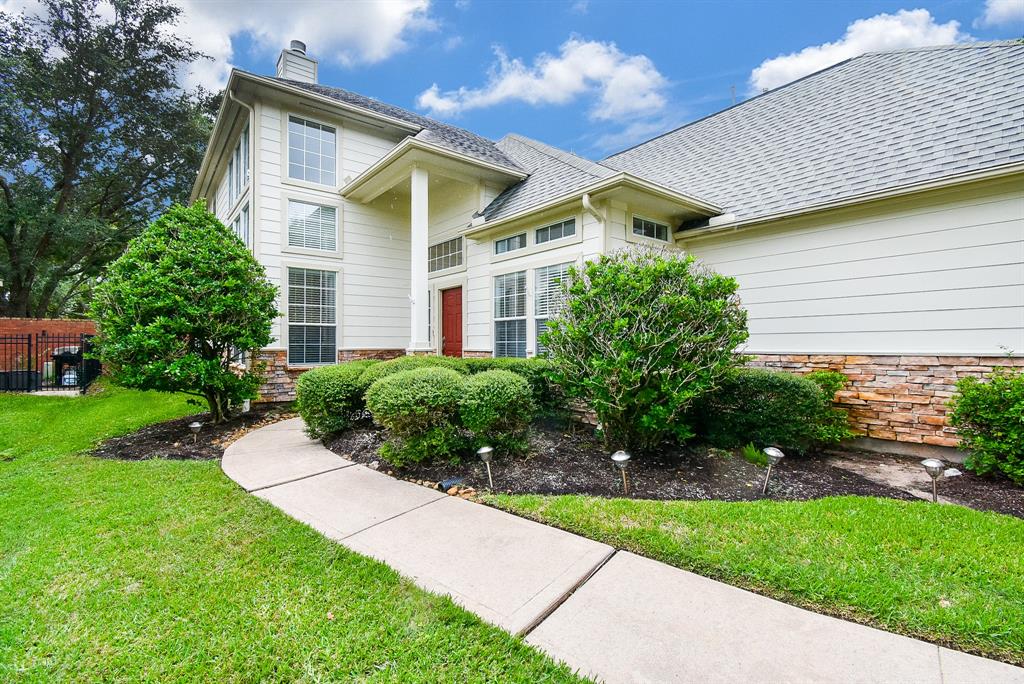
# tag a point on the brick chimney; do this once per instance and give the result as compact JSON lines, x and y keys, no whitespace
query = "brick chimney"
{"x":294,"y":64}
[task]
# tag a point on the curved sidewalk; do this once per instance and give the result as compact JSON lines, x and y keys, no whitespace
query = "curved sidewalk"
{"x":612,"y":615}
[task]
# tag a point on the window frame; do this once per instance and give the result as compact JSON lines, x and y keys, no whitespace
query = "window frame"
{"x":286,"y":323}
{"x":522,"y":237}
{"x":638,"y":237}
{"x":286,"y":176}
{"x":447,"y":269}
{"x":240,"y":225}
{"x":522,"y":318}
{"x":304,"y":249}
{"x":549,"y":226}
{"x":294,"y":194}
{"x":536,"y":315}
{"x":238,"y":173}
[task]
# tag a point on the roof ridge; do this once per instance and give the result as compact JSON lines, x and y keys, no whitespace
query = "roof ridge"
{"x":966,"y":45}
{"x":563,"y":156}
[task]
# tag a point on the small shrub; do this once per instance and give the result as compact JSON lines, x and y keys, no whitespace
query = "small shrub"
{"x":496,"y":407}
{"x":420,"y":409}
{"x":405,"y":363}
{"x":751,"y":454}
{"x":639,"y":336}
{"x":764,"y":407}
{"x":547,"y":396}
{"x":989,"y":417}
{"x":832,"y":425}
{"x":327,"y":397}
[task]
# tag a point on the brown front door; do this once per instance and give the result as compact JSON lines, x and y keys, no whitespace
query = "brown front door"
{"x":451,"y":322}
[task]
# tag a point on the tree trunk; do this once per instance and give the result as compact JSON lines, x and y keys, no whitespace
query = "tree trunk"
{"x":217,"y":406}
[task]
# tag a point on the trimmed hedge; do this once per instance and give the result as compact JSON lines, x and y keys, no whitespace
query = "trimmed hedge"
{"x":420,"y":409}
{"x":989,"y":418}
{"x":327,"y":398}
{"x":547,"y":396}
{"x":497,"y":407}
{"x":405,"y":363}
{"x":764,"y":407}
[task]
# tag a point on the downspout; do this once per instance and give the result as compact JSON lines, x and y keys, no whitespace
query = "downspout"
{"x":246,"y":361}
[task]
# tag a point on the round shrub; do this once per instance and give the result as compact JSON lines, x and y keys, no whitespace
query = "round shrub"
{"x":497,"y":407}
{"x":766,"y":407}
{"x":420,"y":409}
{"x":405,"y":363}
{"x":537,"y":371}
{"x":328,"y":398}
{"x":989,"y":418}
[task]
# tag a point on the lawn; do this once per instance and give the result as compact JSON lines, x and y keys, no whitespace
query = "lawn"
{"x":942,"y":573}
{"x":165,"y":570}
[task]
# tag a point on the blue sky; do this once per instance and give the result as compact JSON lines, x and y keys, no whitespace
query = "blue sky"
{"x":590,"y":76}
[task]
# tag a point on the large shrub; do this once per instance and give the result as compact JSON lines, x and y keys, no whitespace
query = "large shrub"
{"x":405,"y":363}
{"x":176,"y":309}
{"x":763,"y":407}
{"x":640,"y":335}
{"x":537,"y":371}
{"x":329,"y":398}
{"x":497,"y":407}
{"x":420,"y":409}
{"x":989,"y":417}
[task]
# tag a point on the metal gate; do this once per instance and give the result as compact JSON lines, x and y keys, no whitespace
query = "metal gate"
{"x":46,"y":363}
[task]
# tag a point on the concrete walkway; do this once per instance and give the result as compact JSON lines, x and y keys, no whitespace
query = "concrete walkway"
{"x":613,"y":616}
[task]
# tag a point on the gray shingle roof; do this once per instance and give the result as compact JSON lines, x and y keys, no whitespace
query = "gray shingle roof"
{"x":553,"y":172}
{"x":436,"y":132}
{"x":878,"y":121}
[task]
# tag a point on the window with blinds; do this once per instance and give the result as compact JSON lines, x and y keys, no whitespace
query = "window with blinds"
{"x":312,"y":319}
{"x":312,"y":226}
{"x":547,"y":297}
{"x":510,"y":314}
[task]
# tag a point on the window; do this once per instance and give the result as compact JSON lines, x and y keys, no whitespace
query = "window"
{"x":650,"y":229}
{"x":238,"y":167}
{"x":312,"y":226}
{"x":510,"y":314}
{"x":312,"y":324}
{"x":556,"y":231}
{"x":547,"y":296}
{"x":447,"y":254}
{"x":510,"y":244}
{"x":240,"y":225}
{"x":311,"y":151}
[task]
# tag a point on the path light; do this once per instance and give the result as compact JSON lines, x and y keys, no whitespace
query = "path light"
{"x":774,"y":456}
{"x":621,"y":460}
{"x":195,"y":427}
{"x":485,"y":453}
{"x":934,"y":468}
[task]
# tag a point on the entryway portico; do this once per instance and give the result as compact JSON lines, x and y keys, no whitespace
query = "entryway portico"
{"x":413,"y":172}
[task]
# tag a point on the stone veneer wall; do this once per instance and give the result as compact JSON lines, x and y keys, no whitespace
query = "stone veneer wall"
{"x":891,"y":397}
{"x":280,"y":379}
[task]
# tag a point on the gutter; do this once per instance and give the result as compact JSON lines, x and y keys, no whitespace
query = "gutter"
{"x":716,"y":227}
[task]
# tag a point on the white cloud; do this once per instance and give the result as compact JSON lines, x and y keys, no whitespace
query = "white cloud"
{"x":580,"y":7}
{"x":1001,"y":12}
{"x":452,"y":43}
{"x":624,"y":86}
{"x":905,"y":29}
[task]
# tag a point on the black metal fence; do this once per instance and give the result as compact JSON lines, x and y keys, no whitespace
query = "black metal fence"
{"x":41,"y":363}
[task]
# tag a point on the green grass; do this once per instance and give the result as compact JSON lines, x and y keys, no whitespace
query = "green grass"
{"x":942,"y":573}
{"x":161,"y":570}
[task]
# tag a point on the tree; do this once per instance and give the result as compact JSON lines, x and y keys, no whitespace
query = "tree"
{"x":640,"y":335}
{"x":96,"y":138}
{"x":177,"y":309}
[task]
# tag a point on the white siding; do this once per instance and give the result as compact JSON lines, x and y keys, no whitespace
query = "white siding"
{"x":942,"y":273}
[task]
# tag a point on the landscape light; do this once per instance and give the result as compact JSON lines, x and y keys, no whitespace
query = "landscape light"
{"x":621,"y":460}
{"x":934,"y":468}
{"x":195,"y":427}
{"x":485,"y":453}
{"x":774,"y":456}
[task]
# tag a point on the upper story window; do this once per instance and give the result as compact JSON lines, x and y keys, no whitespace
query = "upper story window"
{"x":312,"y":150}
{"x":650,"y":229}
{"x":312,"y":226}
{"x":238,"y":167}
{"x":240,"y":225}
{"x":447,"y":254}
{"x":510,"y":244}
{"x":555,"y":231}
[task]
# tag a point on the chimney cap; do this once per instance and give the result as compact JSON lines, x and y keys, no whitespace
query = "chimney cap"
{"x":298,"y":46}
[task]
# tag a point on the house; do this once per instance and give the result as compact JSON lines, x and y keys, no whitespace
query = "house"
{"x":873,"y":213}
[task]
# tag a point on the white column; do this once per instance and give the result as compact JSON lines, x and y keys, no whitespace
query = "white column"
{"x":418,"y":341}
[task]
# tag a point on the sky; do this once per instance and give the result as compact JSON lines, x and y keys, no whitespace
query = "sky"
{"x":591,"y":76}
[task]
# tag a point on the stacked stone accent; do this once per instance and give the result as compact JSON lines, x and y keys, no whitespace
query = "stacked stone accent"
{"x":280,"y":378}
{"x":477,"y":354}
{"x":363,"y":354}
{"x":901,"y":398}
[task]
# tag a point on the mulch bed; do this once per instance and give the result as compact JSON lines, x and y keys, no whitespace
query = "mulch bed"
{"x":569,"y":460}
{"x":173,"y":439}
{"x":984,"y":493}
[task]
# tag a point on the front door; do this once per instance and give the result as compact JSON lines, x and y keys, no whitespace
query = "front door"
{"x":451,"y":322}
